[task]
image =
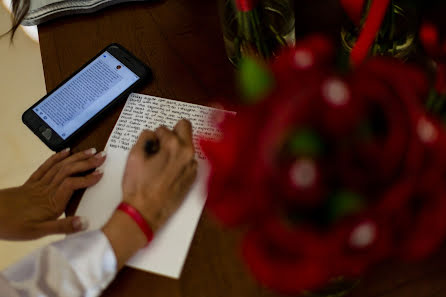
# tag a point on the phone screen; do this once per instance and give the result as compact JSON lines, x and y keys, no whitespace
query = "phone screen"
{"x":85,"y":94}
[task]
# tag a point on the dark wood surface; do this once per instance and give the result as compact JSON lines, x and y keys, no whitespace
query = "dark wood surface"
{"x":181,"y":41}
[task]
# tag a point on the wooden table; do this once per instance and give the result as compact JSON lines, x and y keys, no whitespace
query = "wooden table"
{"x":181,"y":41}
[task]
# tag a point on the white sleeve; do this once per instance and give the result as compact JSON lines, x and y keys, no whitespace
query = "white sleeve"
{"x":82,"y":265}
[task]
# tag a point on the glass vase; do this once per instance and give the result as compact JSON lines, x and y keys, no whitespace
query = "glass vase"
{"x":396,"y":36}
{"x":259,"y":28}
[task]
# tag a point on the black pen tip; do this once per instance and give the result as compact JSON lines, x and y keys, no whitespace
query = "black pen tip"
{"x":152,"y":147}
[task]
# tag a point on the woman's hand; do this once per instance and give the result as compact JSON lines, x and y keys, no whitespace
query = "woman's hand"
{"x":156,"y":184}
{"x":32,"y":210}
{"x":153,"y":184}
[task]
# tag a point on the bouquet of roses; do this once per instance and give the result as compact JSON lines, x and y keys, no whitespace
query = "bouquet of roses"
{"x":331,"y":172}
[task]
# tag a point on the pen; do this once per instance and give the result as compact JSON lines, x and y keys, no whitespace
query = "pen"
{"x":152,"y":146}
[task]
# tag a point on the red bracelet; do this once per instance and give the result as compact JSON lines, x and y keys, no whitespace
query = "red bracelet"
{"x":138,"y":218}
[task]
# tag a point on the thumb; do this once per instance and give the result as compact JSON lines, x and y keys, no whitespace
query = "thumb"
{"x":65,"y":226}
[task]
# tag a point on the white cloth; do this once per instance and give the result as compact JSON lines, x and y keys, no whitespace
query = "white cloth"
{"x":82,"y":265}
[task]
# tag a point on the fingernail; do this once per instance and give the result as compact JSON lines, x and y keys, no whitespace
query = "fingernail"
{"x":80,"y":223}
{"x":67,"y":150}
{"x":91,"y":151}
{"x":101,"y":155}
{"x":98,"y":171}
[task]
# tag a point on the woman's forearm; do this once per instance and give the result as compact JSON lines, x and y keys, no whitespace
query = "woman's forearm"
{"x":124,"y":236}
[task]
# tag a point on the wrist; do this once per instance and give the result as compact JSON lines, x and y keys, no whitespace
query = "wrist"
{"x":124,"y":235}
{"x":150,"y":216}
{"x":137,"y":217}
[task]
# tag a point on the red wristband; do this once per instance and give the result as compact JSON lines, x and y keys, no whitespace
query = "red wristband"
{"x":138,"y":218}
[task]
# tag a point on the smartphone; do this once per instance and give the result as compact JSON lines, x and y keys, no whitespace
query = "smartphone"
{"x":97,"y":86}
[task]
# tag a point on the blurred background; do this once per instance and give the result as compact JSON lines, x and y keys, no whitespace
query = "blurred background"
{"x":21,"y":83}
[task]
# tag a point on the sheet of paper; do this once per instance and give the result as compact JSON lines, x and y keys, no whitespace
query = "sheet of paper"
{"x":168,"y":251}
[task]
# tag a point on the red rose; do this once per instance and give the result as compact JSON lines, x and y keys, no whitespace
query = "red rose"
{"x":308,"y":55}
{"x":390,"y":95}
{"x":358,"y":242}
{"x":286,"y":259}
{"x":416,"y":204}
{"x":415,"y":218}
{"x":331,"y":173}
{"x":302,"y":182}
{"x":427,"y":230}
{"x":234,"y":194}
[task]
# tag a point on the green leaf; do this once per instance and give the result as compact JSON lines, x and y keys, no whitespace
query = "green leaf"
{"x":345,"y":203}
{"x":255,"y":80}
{"x":305,"y":142}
